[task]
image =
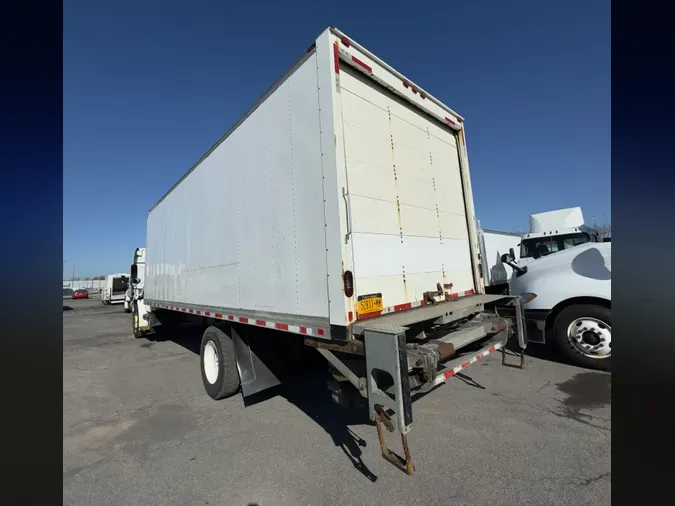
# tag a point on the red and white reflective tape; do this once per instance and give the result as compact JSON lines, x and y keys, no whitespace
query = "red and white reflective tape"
{"x":455,"y":296}
{"x":276,"y":325}
{"x":343,"y":50}
{"x":451,"y":372}
{"x":410,"y":305}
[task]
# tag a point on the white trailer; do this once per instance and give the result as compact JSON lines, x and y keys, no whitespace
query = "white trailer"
{"x":114,"y":289}
{"x":492,"y":245}
{"x":338,"y":209}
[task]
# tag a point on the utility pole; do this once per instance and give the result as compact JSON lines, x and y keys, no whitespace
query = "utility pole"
{"x":73,"y":274}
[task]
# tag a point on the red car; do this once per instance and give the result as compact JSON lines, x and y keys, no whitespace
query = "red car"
{"x":81,"y":294}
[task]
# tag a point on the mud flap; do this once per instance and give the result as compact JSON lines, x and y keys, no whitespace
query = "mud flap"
{"x":255,"y":376}
{"x":521,"y":332}
{"x":387,"y":363}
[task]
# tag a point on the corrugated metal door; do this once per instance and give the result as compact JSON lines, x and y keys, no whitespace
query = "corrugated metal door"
{"x":409,"y":226}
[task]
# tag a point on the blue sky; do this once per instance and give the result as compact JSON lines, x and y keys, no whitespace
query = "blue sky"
{"x":149,"y":86}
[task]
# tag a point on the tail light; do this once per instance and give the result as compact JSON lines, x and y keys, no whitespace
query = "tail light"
{"x":348,"y":280}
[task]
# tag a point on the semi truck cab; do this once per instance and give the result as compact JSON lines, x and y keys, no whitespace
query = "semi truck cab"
{"x":136,"y":279}
{"x":554,"y":231}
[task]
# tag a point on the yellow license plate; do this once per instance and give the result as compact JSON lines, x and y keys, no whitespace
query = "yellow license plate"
{"x":368,"y":304}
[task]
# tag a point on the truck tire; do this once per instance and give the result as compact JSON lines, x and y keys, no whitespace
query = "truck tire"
{"x":584,"y":334}
{"x":134,"y":321}
{"x":218,"y":364}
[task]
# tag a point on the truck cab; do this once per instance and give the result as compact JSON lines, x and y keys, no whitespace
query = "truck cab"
{"x":567,"y":300}
{"x":554,"y":231}
{"x":136,"y":279}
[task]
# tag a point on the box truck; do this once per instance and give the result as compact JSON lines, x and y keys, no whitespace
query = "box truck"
{"x":337,"y":210}
{"x":114,"y":288}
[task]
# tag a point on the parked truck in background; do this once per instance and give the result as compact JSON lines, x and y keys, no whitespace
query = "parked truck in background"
{"x":136,"y":280}
{"x":567,"y":298}
{"x":114,"y":289}
{"x":554,"y":231}
{"x":548,"y":233}
{"x":337,"y":212}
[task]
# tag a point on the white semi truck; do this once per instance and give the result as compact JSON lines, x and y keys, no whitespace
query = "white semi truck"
{"x":338,"y":213}
{"x":136,"y":280}
{"x":567,"y":299}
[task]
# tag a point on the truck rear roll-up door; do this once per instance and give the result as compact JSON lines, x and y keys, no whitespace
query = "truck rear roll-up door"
{"x":408,"y":217}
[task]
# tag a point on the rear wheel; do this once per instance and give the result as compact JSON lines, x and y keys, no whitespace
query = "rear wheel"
{"x":218,"y":364}
{"x":584,"y":334}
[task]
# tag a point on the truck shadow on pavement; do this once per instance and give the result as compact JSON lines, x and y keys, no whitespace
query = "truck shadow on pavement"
{"x":546,"y":352}
{"x":308,"y":392}
{"x":311,"y":396}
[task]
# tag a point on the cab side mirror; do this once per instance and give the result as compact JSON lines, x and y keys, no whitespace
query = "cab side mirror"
{"x":134,"y":271}
{"x":508,"y":258}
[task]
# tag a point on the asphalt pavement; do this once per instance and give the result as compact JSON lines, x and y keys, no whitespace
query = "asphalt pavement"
{"x":139,"y":429}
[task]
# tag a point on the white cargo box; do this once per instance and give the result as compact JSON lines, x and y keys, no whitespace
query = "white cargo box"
{"x":344,"y":165}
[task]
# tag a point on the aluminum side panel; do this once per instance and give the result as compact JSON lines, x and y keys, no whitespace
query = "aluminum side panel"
{"x":246,"y":228}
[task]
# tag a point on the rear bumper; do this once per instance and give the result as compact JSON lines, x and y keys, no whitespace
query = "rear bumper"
{"x":440,"y":313}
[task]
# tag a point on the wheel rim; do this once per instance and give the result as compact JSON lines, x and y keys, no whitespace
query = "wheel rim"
{"x":210,"y":361}
{"x":590,"y":337}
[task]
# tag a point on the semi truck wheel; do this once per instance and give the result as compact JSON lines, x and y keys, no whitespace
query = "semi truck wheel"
{"x":584,"y":334}
{"x":219,"y":364}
